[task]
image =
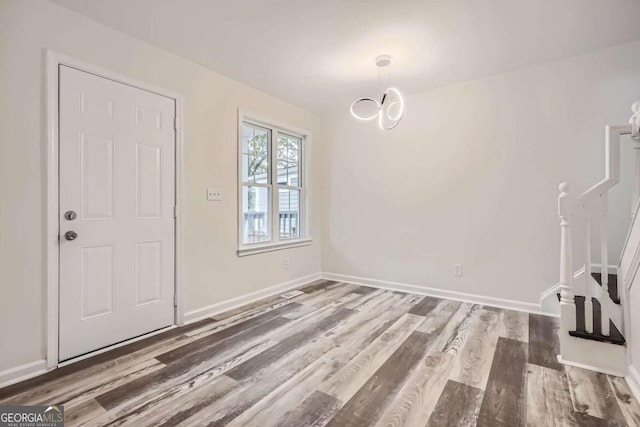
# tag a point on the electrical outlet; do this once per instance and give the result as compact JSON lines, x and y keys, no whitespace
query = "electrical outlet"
{"x":285,"y":264}
{"x":457,"y":270}
{"x":214,"y":194}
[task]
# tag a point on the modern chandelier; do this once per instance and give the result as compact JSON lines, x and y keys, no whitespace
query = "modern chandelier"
{"x":388,"y":110}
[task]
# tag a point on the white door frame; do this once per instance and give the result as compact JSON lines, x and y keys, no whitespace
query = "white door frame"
{"x":52,"y":249}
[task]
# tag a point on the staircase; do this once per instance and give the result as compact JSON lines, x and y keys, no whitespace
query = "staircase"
{"x":615,"y":336}
{"x":592,"y":299}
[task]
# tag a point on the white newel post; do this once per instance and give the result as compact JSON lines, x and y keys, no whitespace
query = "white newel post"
{"x":567,"y":303}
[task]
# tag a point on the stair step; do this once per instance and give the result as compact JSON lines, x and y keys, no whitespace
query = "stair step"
{"x":612,"y":284}
{"x":581,"y":332}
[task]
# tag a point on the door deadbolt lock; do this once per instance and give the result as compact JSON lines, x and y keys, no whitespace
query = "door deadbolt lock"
{"x":70,"y":215}
{"x":71,"y":235}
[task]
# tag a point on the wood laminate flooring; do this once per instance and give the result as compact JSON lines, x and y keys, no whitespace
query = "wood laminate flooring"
{"x":339,"y":355}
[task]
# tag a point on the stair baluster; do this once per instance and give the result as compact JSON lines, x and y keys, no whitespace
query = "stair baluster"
{"x":588,"y":301}
{"x":604,"y":262}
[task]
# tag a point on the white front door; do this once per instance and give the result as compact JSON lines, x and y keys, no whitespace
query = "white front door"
{"x":117,"y":197}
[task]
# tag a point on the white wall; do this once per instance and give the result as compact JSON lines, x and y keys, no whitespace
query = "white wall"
{"x":213,"y":271}
{"x":471,"y":175}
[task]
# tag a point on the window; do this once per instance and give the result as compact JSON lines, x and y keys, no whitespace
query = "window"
{"x":272,"y":196}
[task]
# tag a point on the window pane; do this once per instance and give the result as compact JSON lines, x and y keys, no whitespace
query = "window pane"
{"x":255,"y":154}
{"x":288,"y":160}
{"x":289,"y":215}
{"x":256,"y":225}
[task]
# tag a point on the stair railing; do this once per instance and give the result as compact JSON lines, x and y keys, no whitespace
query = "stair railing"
{"x":589,"y":210}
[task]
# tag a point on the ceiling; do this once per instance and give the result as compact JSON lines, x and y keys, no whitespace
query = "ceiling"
{"x":320,"y":54}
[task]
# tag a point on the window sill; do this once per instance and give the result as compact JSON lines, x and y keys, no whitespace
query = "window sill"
{"x":269,"y":247}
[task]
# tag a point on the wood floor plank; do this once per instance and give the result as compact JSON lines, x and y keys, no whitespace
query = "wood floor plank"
{"x":514,"y":325}
{"x":414,"y":403}
{"x":186,"y":365}
{"x":348,"y":380}
{"x":459,"y":405}
{"x":96,"y":371}
{"x":265,"y":381}
{"x":592,"y":395}
{"x":83,"y":413}
{"x":228,"y":321}
{"x":425,"y":306}
{"x":364,"y":290}
{"x":344,"y":296}
{"x":504,"y":402}
{"x":206,"y":370}
{"x":149,"y":399}
{"x":544,"y":344}
{"x":169,"y":412}
{"x":548,"y":398}
{"x":268,"y":410}
{"x":287,"y":345}
{"x":585,"y":420}
{"x":445,"y":331}
{"x":351,"y":340}
{"x":455,"y":334}
{"x":318,"y":286}
{"x":101,"y":362}
{"x":330,"y":294}
{"x":201,"y":366}
{"x":59,"y":393}
{"x":367,"y":405}
{"x":100,"y":374}
{"x":436,"y":320}
{"x":369,"y":299}
{"x":315,"y":411}
{"x":206,"y":343}
{"x":251,"y":307}
{"x":629,"y":406}
{"x":473,"y":364}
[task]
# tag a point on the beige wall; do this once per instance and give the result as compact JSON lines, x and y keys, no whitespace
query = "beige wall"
{"x":471,"y":176}
{"x":213,"y":271}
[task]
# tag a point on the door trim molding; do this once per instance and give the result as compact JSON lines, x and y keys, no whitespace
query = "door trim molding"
{"x":53,"y":61}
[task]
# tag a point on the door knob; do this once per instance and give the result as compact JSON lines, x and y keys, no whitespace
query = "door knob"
{"x":71,"y":235}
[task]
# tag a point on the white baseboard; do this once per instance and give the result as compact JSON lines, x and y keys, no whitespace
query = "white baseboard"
{"x":588,"y":367}
{"x":434,"y":292}
{"x":549,"y":303}
{"x":22,"y":372}
{"x":633,"y":379}
{"x":211,"y":310}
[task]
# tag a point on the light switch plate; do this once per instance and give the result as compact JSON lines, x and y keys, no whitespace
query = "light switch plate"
{"x":214,"y":194}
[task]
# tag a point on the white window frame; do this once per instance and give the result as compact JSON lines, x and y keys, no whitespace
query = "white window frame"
{"x":303,"y":186}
